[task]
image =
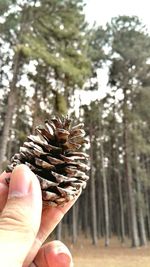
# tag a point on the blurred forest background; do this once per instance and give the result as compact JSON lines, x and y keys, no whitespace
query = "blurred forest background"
{"x":48,"y":54}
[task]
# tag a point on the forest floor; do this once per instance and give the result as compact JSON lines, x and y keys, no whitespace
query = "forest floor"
{"x":116,"y":255}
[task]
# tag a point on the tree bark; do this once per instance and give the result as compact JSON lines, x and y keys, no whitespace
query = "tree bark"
{"x":147,"y":212}
{"x":106,"y":204}
{"x":122,"y":222}
{"x":12,"y":97}
{"x":59,"y":231}
{"x":10,"y":111}
{"x":85,"y":210}
{"x":128,"y":174}
{"x":99,"y":204}
{"x":74,"y":224}
{"x":93,"y":193}
{"x":143,"y":240}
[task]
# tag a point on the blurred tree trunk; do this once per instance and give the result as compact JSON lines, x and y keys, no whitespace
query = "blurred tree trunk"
{"x":74,"y":223}
{"x":143,"y":240}
{"x":128,"y":176}
{"x":85,"y":210}
{"x":93,"y":190}
{"x":59,"y":231}
{"x":111,"y":210}
{"x":140,"y":199}
{"x":105,"y":196}
{"x":12,"y":97}
{"x":99,"y":204}
{"x":147,"y":212}
{"x":122,"y":221}
{"x":13,"y":93}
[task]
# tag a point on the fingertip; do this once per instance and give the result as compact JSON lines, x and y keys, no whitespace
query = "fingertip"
{"x":23,"y":179}
{"x":21,"y":169}
{"x":55,"y":253}
{"x":25,"y":191}
{"x":20,"y":182}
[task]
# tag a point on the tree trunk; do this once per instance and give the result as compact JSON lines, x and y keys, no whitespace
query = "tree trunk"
{"x":111,"y":210}
{"x":59,"y":231}
{"x":74,"y":223}
{"x":12,"y":97}
{"x":105,"y":192}
{"x":10,"y":111}
{"x":36,"y":113}
{"x":132,"y":207}
{"x":143,"y":240}
{"x":140,"y":199}
{"x":93,"y":194}
{"x":99,"y":205}
{"x":147,"y":212}
{"x":122,"y":222}
{"x":85,"y":210}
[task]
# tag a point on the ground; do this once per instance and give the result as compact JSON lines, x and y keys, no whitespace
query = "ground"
{"x":87,"y":255}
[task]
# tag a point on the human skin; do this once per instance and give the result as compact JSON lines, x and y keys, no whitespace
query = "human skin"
{"x":25,"y":224}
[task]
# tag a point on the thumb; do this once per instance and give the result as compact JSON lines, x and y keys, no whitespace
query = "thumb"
{"x":20,"y":219}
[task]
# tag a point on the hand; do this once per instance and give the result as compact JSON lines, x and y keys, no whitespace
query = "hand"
{"x":24,"y":225}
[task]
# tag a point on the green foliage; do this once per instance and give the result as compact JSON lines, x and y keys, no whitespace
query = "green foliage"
{"x":60,"y":104}
{"x":4,"y":5}
{"x":97,"y":42}
{"x":130,"y":49}
{"x":52,"y":32}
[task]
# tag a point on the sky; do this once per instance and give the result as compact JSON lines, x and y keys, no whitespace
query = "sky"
{"x":102,"y":11}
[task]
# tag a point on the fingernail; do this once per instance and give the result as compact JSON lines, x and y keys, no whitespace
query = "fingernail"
{"x":20,"y":181}
{"x":64,"y":255}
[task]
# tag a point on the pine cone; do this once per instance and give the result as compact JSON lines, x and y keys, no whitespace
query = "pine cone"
{"x":51,"y":155}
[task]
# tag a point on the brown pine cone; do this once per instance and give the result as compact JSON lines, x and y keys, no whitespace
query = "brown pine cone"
{"x":51,"y":154}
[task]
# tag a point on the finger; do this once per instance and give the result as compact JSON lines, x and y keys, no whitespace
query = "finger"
{"x":53,"y":254}
{"x":3,"y":189}
{"x":3,"y":177}
{"x":20,"y":219}
{"x":51,"y":216}
{"x":3,"y":195}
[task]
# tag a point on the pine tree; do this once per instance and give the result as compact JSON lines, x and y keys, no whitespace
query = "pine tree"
{"x":50,"y":32}
{"x":128,"y":39}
